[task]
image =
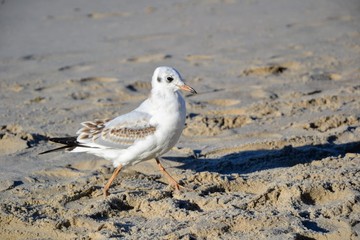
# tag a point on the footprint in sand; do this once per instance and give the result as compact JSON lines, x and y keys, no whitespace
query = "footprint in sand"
{"x":13,"y":138}
{"x":327,"y":123}
{"x":76,"y":68}
{"x":263,"y":94}
{"x":322,"y":195}
{"x":97,"y":79}
{"x":211,"y":125}
{"x":139,"y":86}
{"x":271,"y":69}
{"x":149,"y":58}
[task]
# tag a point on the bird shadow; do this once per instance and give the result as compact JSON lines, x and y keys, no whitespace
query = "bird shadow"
{"x":257,"y":160}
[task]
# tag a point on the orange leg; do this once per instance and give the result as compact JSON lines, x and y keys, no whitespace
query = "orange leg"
{"x":171,"y":180}
{"x":108,"y":184}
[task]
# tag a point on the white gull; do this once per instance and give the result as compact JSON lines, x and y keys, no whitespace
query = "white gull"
{"x":145,"y":133}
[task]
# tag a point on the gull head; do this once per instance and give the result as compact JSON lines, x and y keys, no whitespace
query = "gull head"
{"x":168,"y":78}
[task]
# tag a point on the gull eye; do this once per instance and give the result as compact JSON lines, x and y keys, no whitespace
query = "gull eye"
{"x":170,"y":79}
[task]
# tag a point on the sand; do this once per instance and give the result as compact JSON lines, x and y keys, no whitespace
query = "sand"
{"x":271,"y":149}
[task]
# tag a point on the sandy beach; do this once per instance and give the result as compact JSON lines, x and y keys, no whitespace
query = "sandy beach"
{"x":271,"y":148}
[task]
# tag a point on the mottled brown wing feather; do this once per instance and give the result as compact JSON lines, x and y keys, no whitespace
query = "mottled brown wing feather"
{"x":91,"y":130}
{"x":120,"y":136}
{"x":126,"y":135}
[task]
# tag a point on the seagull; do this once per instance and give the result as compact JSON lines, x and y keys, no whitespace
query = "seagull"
{"x":145,"y":133}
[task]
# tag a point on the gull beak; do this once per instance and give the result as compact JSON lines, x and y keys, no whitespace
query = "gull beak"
{"x":187,"y":88}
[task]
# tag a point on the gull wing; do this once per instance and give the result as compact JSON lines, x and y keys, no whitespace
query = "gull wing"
{"x":119,"y":133}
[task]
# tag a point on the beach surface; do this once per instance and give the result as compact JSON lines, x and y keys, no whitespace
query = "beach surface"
{"x":271,"y":148}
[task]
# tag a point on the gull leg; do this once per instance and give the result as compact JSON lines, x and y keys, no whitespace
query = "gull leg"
{"x":108,"y":184}
{"x":171,"y":180}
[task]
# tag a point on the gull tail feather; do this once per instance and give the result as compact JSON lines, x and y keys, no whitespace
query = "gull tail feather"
{"x":70,"y":144}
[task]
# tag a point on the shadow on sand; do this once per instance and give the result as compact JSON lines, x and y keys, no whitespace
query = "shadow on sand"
{"x":257,"y":160}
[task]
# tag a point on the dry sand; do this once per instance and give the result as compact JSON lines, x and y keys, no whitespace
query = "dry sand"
{"x":272,"y":144}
